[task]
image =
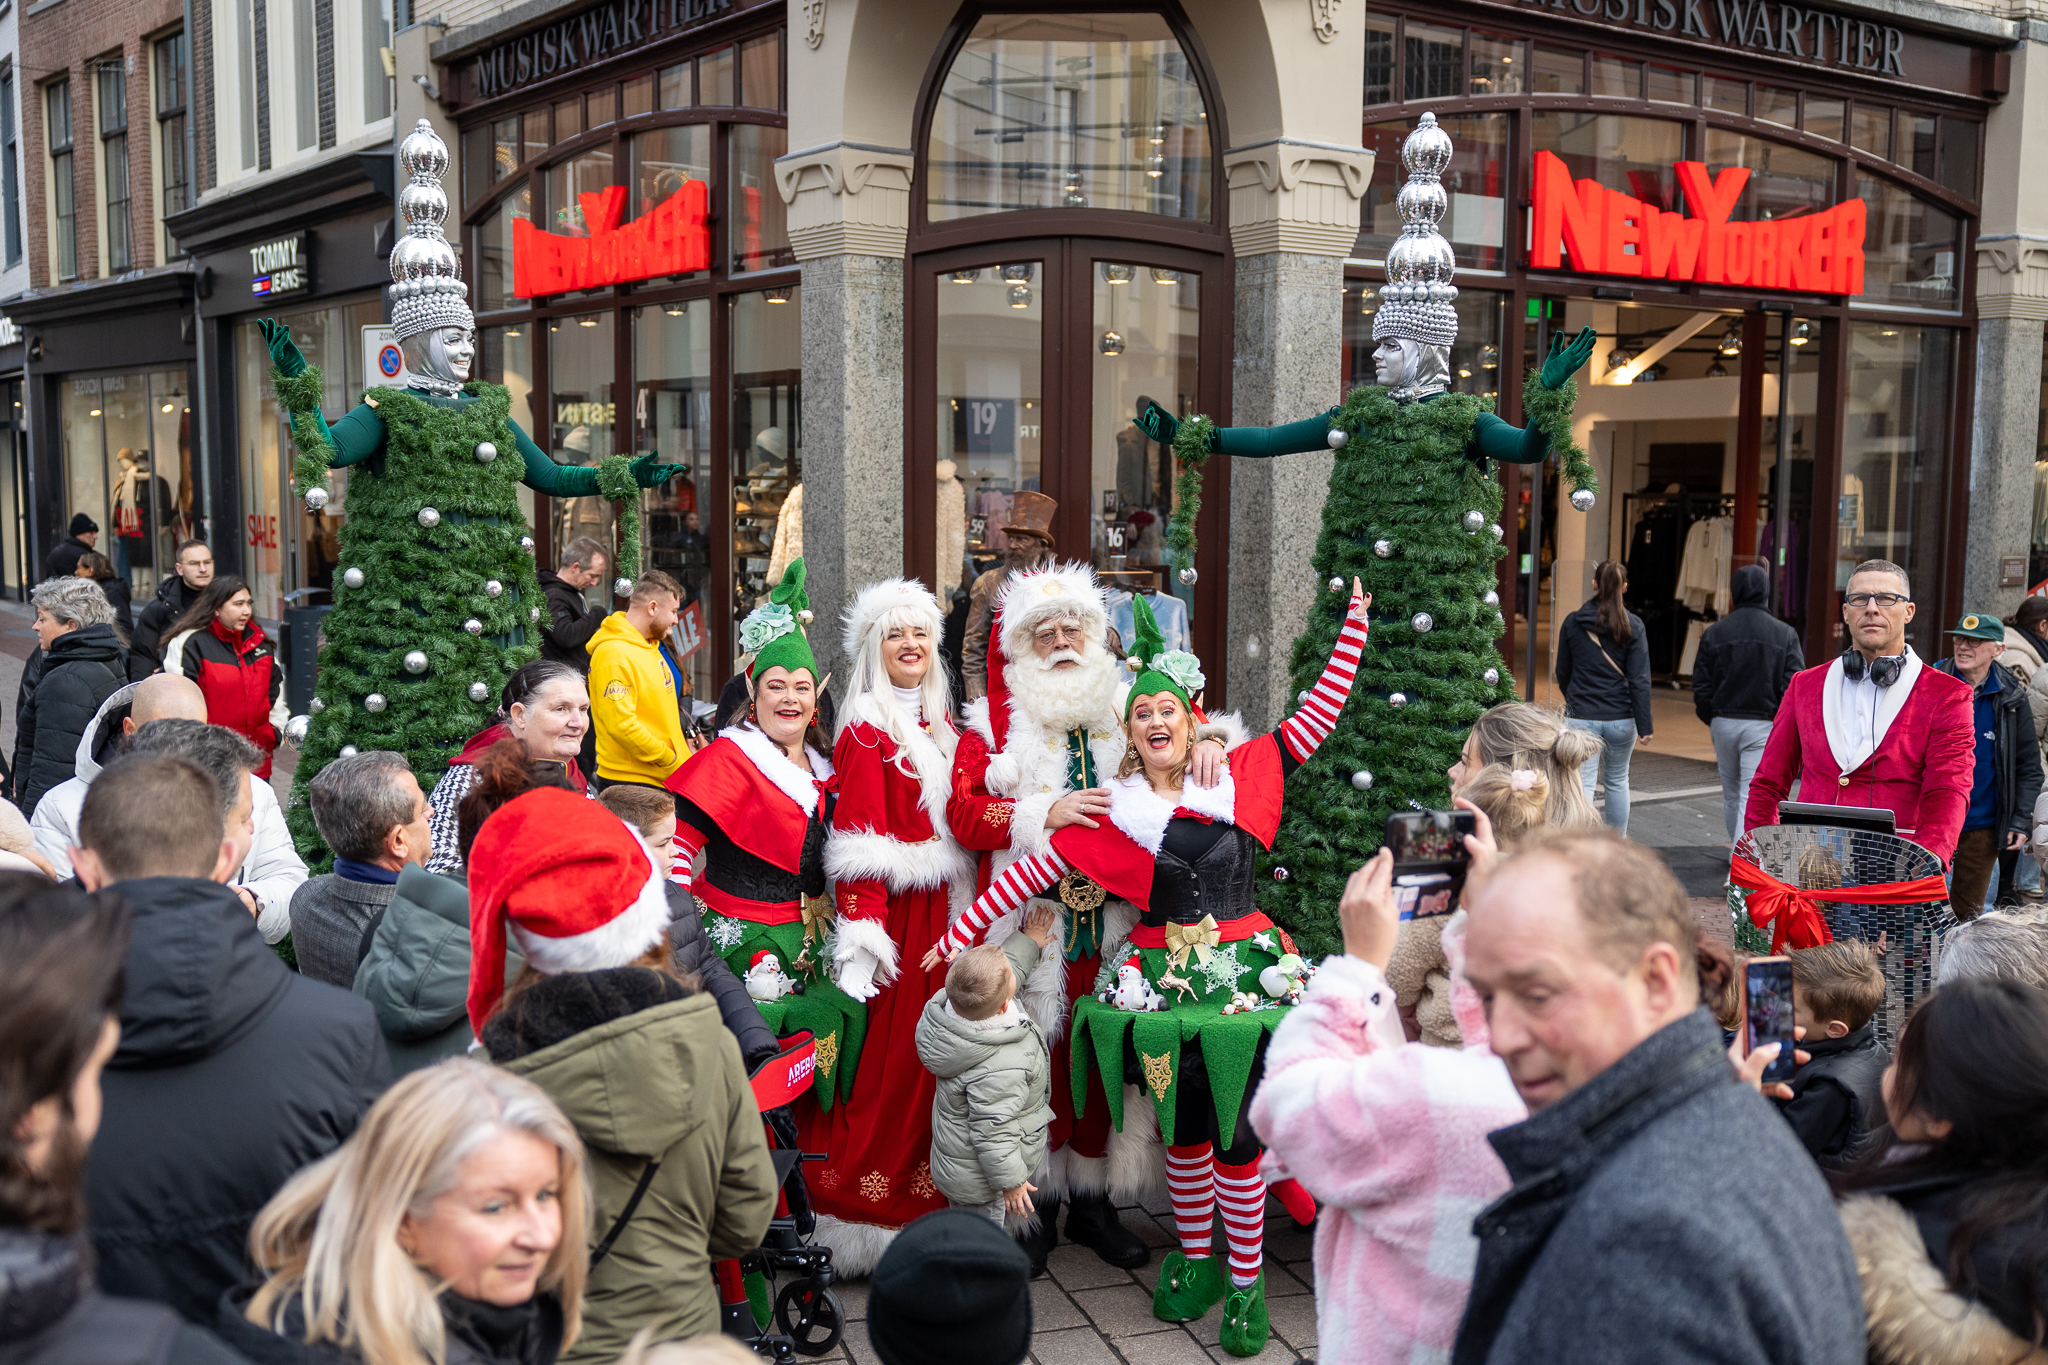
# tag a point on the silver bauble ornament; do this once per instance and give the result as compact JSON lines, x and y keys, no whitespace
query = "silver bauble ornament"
{"x":1491,"y":677}
{"x":1188,"y":576}
{"x":479,"y":692}
{"x":806,"y":616}
{"x":1279,"y":874}
{"x":533,"y":613}
{"x":429,"y":518}
{"x":473,"y":626}
{"x":622,"y":587}
{"x":1582,"y":498}
{"x":1338,"y":436}
{"x":318,"y":706}
{"x":352,"y":578}
{"x":415,"y":661}
{"x":295,"y":729}
{"x":1300,"y":697}
{"x":1492,"y":598}
{"x":1498,"y":534}
{"x":1383,"y":548}
{"x":1397,"y":700}
{"x":374,"y":702}
{"x":1475,"y":522}
{"x":1336,"y":583}
{"x":1423,"y":622}
{"x":348,"y":751}
{"x":316,"y":498}
{"x":526,"y":544}
{"x":493,"y":588}
{"x":485,"y":452}
{"x":1362,"y":780}
{"x":1134,"y":663}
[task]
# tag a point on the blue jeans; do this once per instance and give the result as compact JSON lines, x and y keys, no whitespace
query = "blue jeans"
{"x":1738,"y":745}
{"x":1620,"y":738}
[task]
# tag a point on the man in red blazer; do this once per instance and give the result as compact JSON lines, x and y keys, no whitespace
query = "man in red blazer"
{"x":1875,"y":727}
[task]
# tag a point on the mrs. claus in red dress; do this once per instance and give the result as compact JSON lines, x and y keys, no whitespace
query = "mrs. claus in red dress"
{"x":896,"y":871}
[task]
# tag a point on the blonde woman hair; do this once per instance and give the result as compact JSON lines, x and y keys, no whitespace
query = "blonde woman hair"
{"x":1134,"y":761}
{"x":1520,"y":734}
{"x":713,"y":1348}
{"x":1515,"y":800}
{"x":330,"y":1236}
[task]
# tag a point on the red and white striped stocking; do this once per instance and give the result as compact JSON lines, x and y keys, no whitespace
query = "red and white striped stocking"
{"x":1191,"y":1182}
{"x":1241,"y":1191}
{"x":687,"y":843}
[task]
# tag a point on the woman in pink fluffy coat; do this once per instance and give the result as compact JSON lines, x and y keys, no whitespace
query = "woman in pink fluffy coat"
{"x":1389,"y":1135}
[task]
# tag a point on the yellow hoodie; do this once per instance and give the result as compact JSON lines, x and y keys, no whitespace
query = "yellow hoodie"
{"x":633,"y":706}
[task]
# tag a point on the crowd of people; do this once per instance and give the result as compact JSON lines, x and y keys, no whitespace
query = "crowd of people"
{"x":495,"y":1104}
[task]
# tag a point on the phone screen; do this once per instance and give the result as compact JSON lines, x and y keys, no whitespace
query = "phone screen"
{"x":1767,"y":1012}
{"x":1430,"y":860}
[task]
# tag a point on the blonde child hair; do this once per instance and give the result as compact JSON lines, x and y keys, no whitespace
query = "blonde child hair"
{"x":978,"y":983}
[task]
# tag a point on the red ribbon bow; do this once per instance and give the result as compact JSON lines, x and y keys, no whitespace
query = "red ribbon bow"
{"x":1794,"y":915}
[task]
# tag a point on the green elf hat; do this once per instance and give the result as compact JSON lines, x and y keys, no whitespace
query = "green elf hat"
{"x":772,"y":633}
{"x":1159,"y":669}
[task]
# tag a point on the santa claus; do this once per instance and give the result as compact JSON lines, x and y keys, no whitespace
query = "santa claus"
{"x":1033,"y":758}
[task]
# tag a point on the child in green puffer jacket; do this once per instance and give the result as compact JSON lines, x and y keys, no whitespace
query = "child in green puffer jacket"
{"x":994,"y":1072}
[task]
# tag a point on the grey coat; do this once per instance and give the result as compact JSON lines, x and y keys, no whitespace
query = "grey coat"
{"x":1662,"y":1212}
{"x":415,"y":970}
{"x":993,"y":1102}
{"x":330,"y":914}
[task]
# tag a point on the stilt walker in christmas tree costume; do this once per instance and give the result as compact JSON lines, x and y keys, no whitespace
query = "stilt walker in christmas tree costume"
{"x":1412,"y":512}
{"x":1178,"y":1012}
{"x":757,"y":802}
{"x":436,"y":603}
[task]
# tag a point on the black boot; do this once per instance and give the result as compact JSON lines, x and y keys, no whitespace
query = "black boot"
{"x":1039,"y":1244}
{"x":1092,"y":1223}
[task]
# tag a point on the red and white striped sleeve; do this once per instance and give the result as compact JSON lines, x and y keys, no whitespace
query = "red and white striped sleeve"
{"x":687,"y":844}
{"x":1019,"y":882}
{"x":1305,"y":730}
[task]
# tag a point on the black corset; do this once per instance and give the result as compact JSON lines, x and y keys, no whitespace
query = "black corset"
{"x":1202,"y":869}
{"x":737,"y":872}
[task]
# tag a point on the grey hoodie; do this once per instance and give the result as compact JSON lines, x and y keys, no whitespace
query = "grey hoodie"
{"x":992,"y":1107}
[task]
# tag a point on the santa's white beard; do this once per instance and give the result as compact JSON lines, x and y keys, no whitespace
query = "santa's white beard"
{"x":1066,"y":698}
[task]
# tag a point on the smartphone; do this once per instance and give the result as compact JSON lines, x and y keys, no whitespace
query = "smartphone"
{"x":1767,"y":1012}
{"x":1430,"y":860}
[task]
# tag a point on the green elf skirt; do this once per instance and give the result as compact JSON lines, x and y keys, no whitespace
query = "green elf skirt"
{"x":835,"y":1019}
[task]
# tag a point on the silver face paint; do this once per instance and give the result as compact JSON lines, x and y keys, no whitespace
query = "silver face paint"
{"x":1411,"y":369}
{"x":440,"y":360}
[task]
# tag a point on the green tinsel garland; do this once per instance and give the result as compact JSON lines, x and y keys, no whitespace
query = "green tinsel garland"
{"x":1190,"y":453}
{"x":1401,"y":476}
{"x":1550,"y":411}
{"x":615,"y":481}
{"x":300,"y":394}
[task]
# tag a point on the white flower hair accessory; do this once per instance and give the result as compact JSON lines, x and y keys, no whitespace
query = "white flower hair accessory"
{"x":1522,"y":779}
{"x":764,"y":625}
{"x":1181,"y":666}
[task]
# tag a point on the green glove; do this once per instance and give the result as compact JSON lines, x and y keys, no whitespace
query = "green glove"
{"x":648,"y":474}
{"x":1158,"y":423}
{"x":284,"y":353}
{"x":1563,"y":362}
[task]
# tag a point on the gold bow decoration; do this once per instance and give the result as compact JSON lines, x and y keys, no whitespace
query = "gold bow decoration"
{"x":817,"y":915}
{"x":1198,"y":938}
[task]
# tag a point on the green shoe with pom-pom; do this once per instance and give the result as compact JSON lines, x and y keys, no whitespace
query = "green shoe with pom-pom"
{"x":1189,"y":1286}
{"x":1245,"y":1324}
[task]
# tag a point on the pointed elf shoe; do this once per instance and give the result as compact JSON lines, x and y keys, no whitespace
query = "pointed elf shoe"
{"x":1188,"y":1287}
{"x":1245,"y":1324}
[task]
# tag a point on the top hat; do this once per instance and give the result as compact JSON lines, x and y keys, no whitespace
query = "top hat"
{"x":1031,"y":514}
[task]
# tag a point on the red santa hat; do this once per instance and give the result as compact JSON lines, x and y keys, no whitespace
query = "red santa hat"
{"x":1133,"y":963}
{"x":573,"y":883}
{"x":1028,"y":600}
{"x":757,"y":958}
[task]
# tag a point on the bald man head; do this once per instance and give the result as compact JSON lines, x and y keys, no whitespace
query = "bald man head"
{"x":164,"y":696}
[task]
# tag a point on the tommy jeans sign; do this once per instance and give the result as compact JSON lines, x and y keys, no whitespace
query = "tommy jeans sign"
{"x":1606,"y":232}
{"x":592,"y":35}
{"x":1780,"y":30}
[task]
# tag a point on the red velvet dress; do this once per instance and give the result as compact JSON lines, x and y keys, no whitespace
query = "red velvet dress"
{"x":891,"y":866}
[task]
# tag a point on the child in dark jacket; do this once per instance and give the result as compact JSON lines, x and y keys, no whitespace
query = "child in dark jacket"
{"x":1838,"y":1095}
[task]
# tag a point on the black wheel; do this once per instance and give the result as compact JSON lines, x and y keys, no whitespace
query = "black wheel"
{"x":810,"y":1316}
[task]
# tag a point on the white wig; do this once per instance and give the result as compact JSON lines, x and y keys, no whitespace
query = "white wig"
{"x":875,"y":611}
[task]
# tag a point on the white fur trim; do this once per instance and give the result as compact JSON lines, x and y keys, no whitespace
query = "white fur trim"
{"x":1028,"y":834}
{"x":1910,"y":1313}
{"x":974,"y":716}
{"x":1227,"y":726}
{"x":776,"y":767}
{"x":1058,"y":590}
{"x":877,"y":600}
{"x":926,"y":759}
{"x":1144,"y":814}
{"x":615,"y":943}
{"x":851,"y":936}
{"x":856,"y":1247}
{"x":1133,"y":1168}
{"x":867,"y":856}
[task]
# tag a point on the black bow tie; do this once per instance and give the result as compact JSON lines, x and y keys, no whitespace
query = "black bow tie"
{"x":1884,"y":670}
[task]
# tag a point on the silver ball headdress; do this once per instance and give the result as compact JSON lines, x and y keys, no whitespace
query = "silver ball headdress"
{"x":1415,"y":303}
{"x":427,"y":291}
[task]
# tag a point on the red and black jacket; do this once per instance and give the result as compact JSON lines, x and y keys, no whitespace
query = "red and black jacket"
{"x":240,"y":678}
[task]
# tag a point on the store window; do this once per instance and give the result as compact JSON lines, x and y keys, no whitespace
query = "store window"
{"x":766,"y":438}
{"x":1147,"y":328}
{"x":1633,"y":155}
{"x":582,"y":416}
{"x":672,"y":375}
{"x":760,"y":225}
{"x":1910,"y":246}
{"x":989,"y":349}
{"x":494,"y":246}
{"x":1071,"y":110}
{"x":1895,"y":454}
{"x":1475,"y":181}
{"x":1784,"y":182}
{"x":127,"y":441}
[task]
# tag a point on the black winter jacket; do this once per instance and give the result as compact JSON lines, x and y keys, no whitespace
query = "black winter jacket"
{"x":1747,"y":658}
{"x":62,"y":561}
{"x":1610,"y":686}
{"x":81,"y":670}
{"x":2019,"y":753}
{"x":173,"y":599}
{"x":475,"y":1333}
{"x":1838,"y":1098}
{"x":233,"y":1073}
{"x":571,"y":623}
{"x":1662,"y":1212}
{"x":695,"y":955}
{"x":50,"y":1314}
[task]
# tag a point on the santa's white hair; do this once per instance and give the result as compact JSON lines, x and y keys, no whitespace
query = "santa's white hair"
{"x":875,"y":611}
{"x":1058,"y":592}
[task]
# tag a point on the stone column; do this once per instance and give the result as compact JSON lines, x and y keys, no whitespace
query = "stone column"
{"x":1293,"y":220}
{"x":848,"y":212}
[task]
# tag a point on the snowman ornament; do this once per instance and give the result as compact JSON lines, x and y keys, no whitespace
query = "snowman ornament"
{"x":1284,"y":979}
{"x":765,"y":980}
{"x":1132,"y":991}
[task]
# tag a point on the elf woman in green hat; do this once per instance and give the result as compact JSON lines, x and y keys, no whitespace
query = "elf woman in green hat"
{"x":1205,"y":975}
{"x":757,"y":802}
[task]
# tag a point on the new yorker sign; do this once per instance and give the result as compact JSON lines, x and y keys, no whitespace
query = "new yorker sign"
{"x":587,"y":37}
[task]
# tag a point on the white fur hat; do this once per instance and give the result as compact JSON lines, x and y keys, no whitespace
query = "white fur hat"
{"x":1057,"y":592}
{"x":878,"y":600}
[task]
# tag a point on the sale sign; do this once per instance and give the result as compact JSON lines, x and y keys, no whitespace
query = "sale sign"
{"x":672,"y":240}
{"x":1606,"y":232}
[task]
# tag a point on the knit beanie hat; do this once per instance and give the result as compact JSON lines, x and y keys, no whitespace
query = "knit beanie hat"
{"x":572,"y":882}
{"x":952,"y":1287}
{"x":81,"y":524}
{"x":1160,"y":669}
{"x":774,"y":634}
